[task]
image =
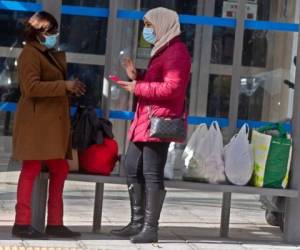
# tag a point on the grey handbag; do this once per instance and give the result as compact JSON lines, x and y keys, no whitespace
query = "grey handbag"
{"x":167,"y":128}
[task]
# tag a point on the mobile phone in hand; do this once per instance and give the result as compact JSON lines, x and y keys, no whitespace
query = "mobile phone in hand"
{"x":114,"y":78}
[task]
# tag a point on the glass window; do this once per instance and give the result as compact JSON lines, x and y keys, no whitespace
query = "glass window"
{"x":251,"y":98}
{"x":222,"y":45}
{"x":223,"y":37}
{"x":90,"y":39}
{"x":6,"y":119}
{"x":92,"y":76}
{"x":84,"y":34}
{"x":218,"y":95}
{"x":264,"y":94}
{"x":2,"y":119}
{"x":87,"y":3}
{"x":11,"y":26}
{"x":265,"y":97}
{"x":255,"y":9}
{"x":9,"y":92}
{"x":256,"y":41}
{"x":182,"y":7}
{"x":255,"y":48}
{"x":5,"y":141}
{"x":8,"y":80}
{"x":276,"y":10}
{"x":263,"y":9}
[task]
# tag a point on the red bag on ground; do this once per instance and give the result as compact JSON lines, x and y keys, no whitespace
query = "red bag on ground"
{"x":99,"y":158}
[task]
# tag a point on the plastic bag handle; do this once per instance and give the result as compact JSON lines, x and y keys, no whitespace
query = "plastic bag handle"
{"x":215,"y":125}
{"x":245,"y":128}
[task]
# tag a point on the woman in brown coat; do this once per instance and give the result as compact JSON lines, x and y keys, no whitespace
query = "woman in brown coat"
{"x":42,"y":124}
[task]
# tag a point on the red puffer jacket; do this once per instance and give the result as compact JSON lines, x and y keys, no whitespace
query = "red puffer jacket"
{"x":163,"y":87}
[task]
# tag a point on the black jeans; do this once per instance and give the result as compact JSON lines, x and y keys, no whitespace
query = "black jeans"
{"x":145,"y":163}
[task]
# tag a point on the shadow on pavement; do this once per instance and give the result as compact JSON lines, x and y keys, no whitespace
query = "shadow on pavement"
{"x":169,"y":234}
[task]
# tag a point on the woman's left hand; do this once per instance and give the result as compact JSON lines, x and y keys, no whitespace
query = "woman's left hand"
{"x":129,"y":86}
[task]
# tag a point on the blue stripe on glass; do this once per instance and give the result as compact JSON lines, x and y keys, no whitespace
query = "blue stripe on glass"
{"x":217,"y":21}
{"x":130,"y":14}
{"x":192,"y":120}
{"x":272,"y":26}
{"x":121,"y":115}
{"x":138,"y":15}
{"x":206,"y":20}
{"x":8,"y":106}
{"x":20,"y":6}
{"x":196,"y":120}
{"x":185,"y":19}
{"x":84,"y":11}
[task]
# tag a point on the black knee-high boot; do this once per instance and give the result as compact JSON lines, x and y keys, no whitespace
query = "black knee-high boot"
{"x":137,"y":204}
{"x":154,"y":202}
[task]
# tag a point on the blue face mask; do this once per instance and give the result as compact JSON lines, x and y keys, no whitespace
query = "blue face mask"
{"x":149,"y":36}
{"x":50,"y":41}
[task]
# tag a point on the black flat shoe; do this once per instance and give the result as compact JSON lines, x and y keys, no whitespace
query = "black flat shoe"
{"x":61,"y":232}
{"x":27,"y":231}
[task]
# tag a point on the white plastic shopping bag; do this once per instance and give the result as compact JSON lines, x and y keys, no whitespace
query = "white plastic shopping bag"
{"x":175,"y":163}
{"x":169,"y":168}
{"x":203,"y":155}
{"x":238,"y":156}
{"x":211,"y":150}
{"x":193,"y":163}
{"x":192,"y":147}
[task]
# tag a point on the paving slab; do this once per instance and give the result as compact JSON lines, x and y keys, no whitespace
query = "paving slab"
{"x":189,"y":220}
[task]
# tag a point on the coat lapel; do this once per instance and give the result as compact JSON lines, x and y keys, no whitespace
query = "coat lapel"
{"x":58,"y":58}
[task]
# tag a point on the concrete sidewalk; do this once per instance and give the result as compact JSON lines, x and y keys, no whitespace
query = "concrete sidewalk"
{"x":190,"y":220}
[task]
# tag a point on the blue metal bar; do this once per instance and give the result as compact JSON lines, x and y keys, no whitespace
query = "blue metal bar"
{"x":130,"y":14}
{"x":192,"y":120}
{"x":184,"y":19}
{"x":271,"y":26}
{"x":138,"y":15}
{"x":20,"y":6}
{"x":84,"y":11}
{"x":121,"y":115}
{"x":207,"y":20}
{"x":217,"y":21}
{"x":196,"y":120}
{"x":8,"y":106}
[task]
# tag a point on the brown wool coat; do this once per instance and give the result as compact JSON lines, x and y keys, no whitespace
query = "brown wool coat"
{"x":42,"y":121}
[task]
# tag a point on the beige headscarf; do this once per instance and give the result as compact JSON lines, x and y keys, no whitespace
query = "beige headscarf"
{"x":166,"y":26}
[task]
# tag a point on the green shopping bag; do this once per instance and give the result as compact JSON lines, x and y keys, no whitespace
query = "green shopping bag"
{"x":272,"y":156}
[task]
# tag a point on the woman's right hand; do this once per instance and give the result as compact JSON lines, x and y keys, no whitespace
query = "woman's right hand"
{"x":75,"y":87}
{"x":128,"y":65}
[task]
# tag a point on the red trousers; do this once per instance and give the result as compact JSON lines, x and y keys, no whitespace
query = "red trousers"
{"x":58,"y":170}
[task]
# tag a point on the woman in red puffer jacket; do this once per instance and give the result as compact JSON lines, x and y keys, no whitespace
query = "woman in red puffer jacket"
{"x":161,"y":92}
